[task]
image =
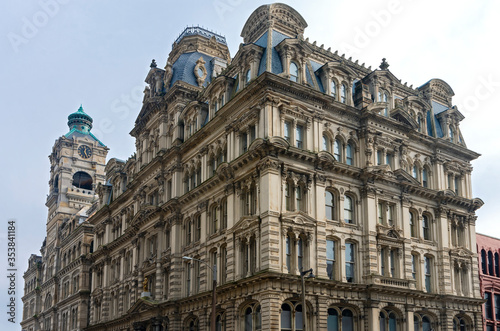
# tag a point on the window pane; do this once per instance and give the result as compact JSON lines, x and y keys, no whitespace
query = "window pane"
{"x":349,"y":157}
{"x":488,"y":306}
{"x":392,"y":322}
{"x":416,"y":323}
{"x":286,"y":317}
{"x":329,"y":205}
{"x":382,"y":321}
{"x":347,"y":320}
{"x":299,"y":136}
{"x":294,"y":72}
{"x":348,"y":209}
{"x":298,"y":318}
{"x":330,"y":258}
{"x":287,"y":130}
{"x":333,"y":320}
{"x":336,"y":150}
{"x":349,"y":258}
{"x":426,"y":324}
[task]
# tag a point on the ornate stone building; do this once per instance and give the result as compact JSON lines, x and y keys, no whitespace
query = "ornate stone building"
{"x":284,"y":158}
{"x":488,"y":249}
{"x":56,"y":290}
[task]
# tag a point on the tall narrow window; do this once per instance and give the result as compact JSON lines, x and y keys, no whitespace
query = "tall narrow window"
{"x":287,"y":131}
{"x":490,"y":263}
{"x":294,"y":72}
{"x":347,"y":320}
{"x":244,"y":142}
{"x":348,"y":209}
{"x":349,"y":156}
{"x":414,"y":267}
{"x":300,"y":254}
{"x":330,"y":258}
{"x":425,"y":179}
{"x":452,"y":134}
{"x":329,"y":205}
{"x":426,"y":231}
{"x":188,"y":232}
{"x":428,"y":274}
{"x":413,"y":226}
{"x":333,"y":89}
{"x":299,"y":324}
{"x":497,"y":306}
{"x":286,"y":317}
{"x":484,"y":264}
{"x":415,"y":172}
{"x":392,"y":262}
{"x":288,"y":198}
{"x":288,"y":249}
{"x":379,"y":156}
{"x":386,"y":109}
{"x":299,"y":136}
{"x":333,"y":320}
{"x":299,"y":203}
{"x":224,"y":214}
{"x":457,"y":185}
{"x":343,"y":93}
{"x":488,"y":306}
{"x":198,"y":228}
{"x":390,"y":215}
{"x":349,"y":262}
{"x":382,"y":261}
{"x":497,"y":267}
{"x":380,"y":211}
{"x":388,"y":159}
{"x":337,"y":150}
{"x":188,"y":279}
{"x":325,"y":143}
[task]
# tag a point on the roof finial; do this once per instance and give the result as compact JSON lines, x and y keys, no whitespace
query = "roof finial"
{"x":153,"y":64}
{"x":384,"y":65}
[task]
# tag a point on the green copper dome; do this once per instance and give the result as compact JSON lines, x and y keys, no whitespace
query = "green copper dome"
{"x":80,"y":121}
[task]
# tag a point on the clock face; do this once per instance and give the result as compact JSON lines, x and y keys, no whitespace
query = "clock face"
{"x":84,"y":151}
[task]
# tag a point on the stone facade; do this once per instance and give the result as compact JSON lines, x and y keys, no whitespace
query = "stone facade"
{"x":56,"y":291}
{"x":488,"y":249}
{"x":286,"y":157}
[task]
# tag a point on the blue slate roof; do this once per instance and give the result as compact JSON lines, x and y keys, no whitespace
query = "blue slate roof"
{"x":183,"y":68}
{"x":276,"y":66}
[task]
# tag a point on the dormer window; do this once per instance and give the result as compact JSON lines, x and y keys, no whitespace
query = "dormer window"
{"x":294,"y":72}
{"x":451,"y":134}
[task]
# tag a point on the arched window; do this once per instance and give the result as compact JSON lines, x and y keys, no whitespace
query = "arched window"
{"x":425,"y":177}
{"x":349,"y":154}
{"x":388,"y":320}
{"x":426,"y":231}
{"x":286,"y":317}
{"x":214,"y":218}
{"x":220,"y":324}
{"x":253,"y":318}
{"x":350,"y":262}
{"x":484,"y":263}
{"x":333,"y":89}
{"x":330,"y":258}
{"x":385,"y":99}
{"x":347,"y":320}
{"x":452,"y":134}
{"x":82,"y":180}
{"x":497,"y":267}
{"x":343,"y":93}
{"x":421,"y":322}
{"x":348,"y":210}
{"x":413,"y":225}
{"x":415,"y":172}
{"x":428,"y":273}
{"x":329,"y":205}
{"x":337,"y":150}
{"x":288,"y":252}
{"x":490,"y":264}
{"x":294,"y":72}
{"x":325,"y":143}
{"x":459,"y":324}
{"x":333,"y":320}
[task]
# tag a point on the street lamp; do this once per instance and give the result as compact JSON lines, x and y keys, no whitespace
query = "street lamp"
{"x":214,"y":285}
{"x":304,"y":309}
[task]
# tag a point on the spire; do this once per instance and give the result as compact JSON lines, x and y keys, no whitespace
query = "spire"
{"x":80,"y":121}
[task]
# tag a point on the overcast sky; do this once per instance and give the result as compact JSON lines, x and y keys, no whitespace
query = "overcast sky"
{"x":58,"y":54}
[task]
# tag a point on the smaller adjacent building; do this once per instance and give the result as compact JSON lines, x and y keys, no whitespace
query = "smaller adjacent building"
{"x":488,"y":249}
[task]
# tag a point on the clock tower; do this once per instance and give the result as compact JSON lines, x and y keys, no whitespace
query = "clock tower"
{"x":77,"y":165}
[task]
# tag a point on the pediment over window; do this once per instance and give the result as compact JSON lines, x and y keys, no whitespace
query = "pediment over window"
{"x":245,"y":224}
{"x":403,"y":176}
{"x":142,"y":305}
{"x":298,"y":218}
{"x":402,"y":115}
